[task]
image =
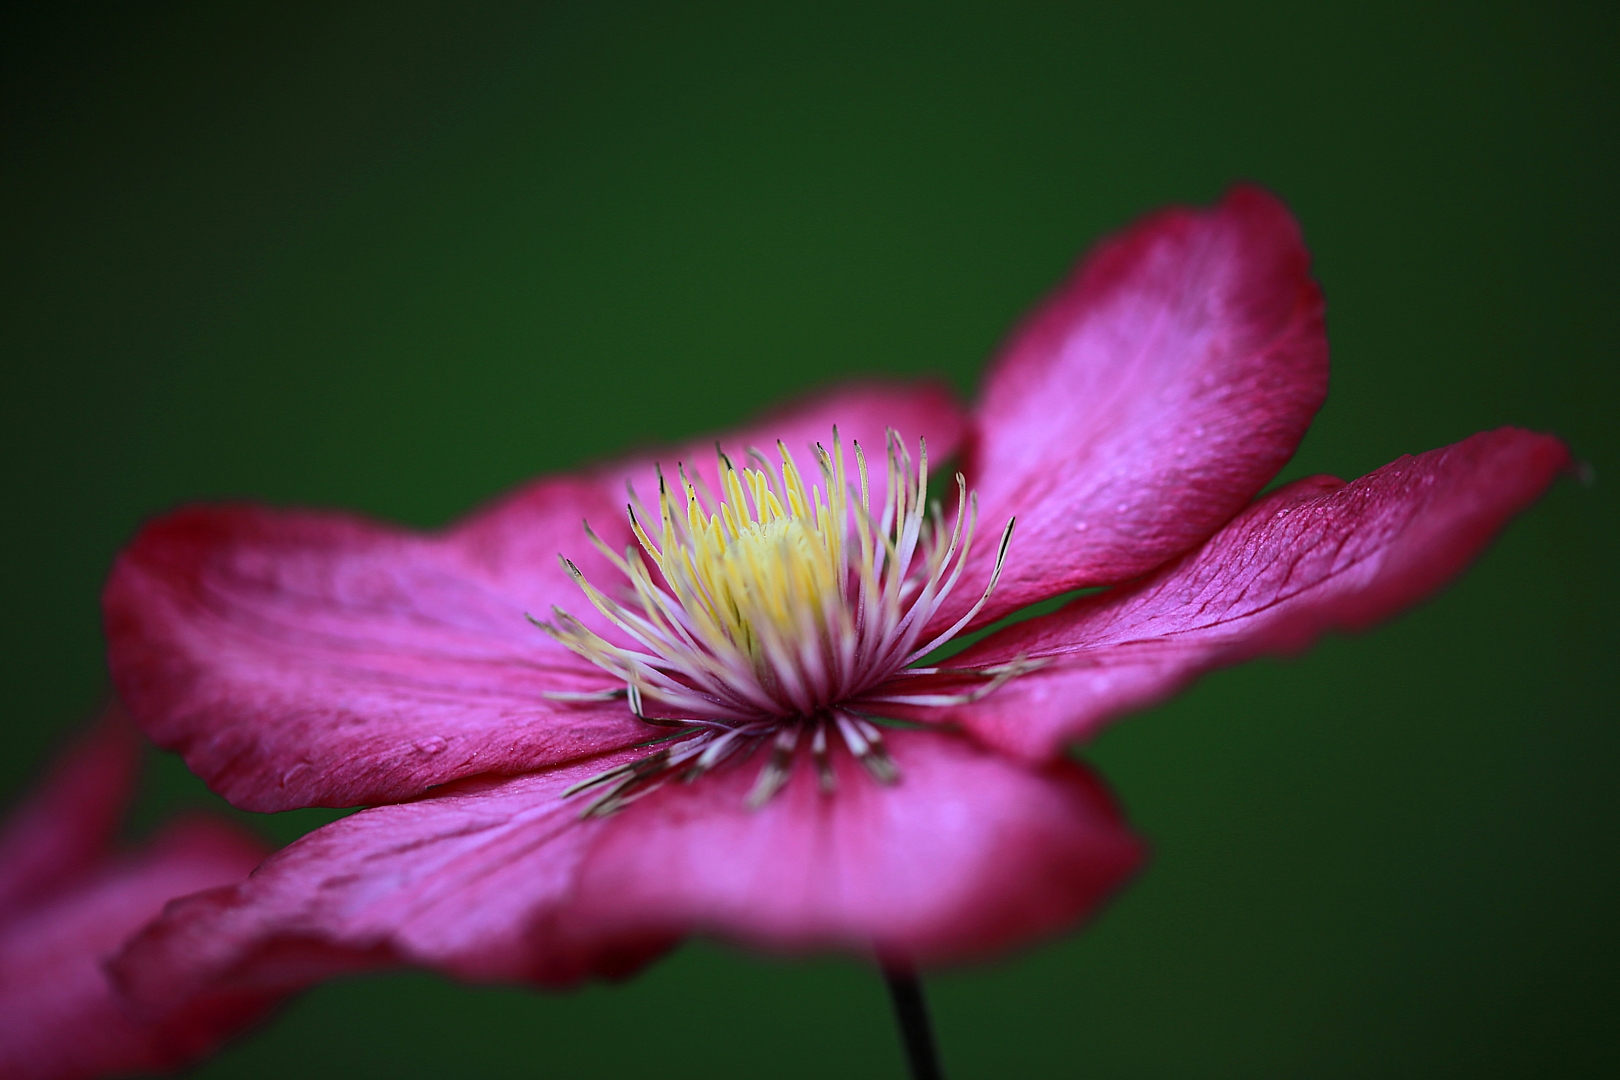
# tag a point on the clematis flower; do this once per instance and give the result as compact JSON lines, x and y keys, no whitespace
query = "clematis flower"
{"x":68,"y":902}
{"x":716,"y":713}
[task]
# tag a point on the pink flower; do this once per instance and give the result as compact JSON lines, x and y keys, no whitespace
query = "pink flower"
{"x":68,"y":902}
{"x":522,"y":827}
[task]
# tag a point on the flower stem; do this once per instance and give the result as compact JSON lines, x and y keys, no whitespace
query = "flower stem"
{"x":911,"y":1013}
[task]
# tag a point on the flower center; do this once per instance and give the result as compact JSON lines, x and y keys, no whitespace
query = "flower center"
{"x":770,"y":608}
{"x":763,"y":580}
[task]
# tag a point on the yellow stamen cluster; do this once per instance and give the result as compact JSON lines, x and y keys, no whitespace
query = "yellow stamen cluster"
{"x":779,"y":599}
{"x":765,"y":574}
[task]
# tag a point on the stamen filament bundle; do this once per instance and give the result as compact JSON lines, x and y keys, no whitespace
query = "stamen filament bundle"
{"x":772,"y":607}
{"x":779,"y":599}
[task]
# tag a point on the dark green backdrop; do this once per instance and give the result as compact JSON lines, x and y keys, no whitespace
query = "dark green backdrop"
{"x":399,"y":258}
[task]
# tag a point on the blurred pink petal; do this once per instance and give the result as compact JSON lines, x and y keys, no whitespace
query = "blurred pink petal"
{"x":59,"y":1016}
{"x":863,"y":411}
{"x":65,"y":827}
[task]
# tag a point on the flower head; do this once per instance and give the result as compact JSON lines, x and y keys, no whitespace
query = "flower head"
{"x":68,"y":902}
{"x":728,"y":724}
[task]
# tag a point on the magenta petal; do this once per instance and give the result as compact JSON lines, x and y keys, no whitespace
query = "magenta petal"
{"x":502,"y":880}
{"x":523,"y":531}
{"x":468,"y":881}
{"x":863,"y":413}
{"x":59,"y":1015}
{"x":967,"y":855}
{"x":516,"y":539}
{"x":66,"y":826}
{"x":1149,"y":398}
{"x":505,"y":535}
{"x":1314,"y":556}
{"x":299,"y":658}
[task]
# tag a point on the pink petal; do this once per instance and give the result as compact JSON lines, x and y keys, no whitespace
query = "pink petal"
{"x":504,"y":536}
{"x":1149,"y":399}
{"x":65,"y":826}
{"x":863,"y":413}
{"x":967,"y":855}
{"x":516,"y":539}
{"x":468,"y":880}
{"x":59,"y":1015}
{"x":502,"y":879}
{"x":299,"y":658}
{"x":1314,"y":556}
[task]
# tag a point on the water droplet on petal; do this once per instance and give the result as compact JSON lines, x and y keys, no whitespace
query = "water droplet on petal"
{"x":432,"y":744}
{"x":288,"y":776}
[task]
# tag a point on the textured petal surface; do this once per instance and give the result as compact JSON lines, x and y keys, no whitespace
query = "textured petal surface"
{"x":467,"y":881}
{"x":301,"y":658}
{"x":59,"y":1015}
{"x":863,"y":412}
{"x":65,"y":827}
{"x":1313,"y":556}
{"x":519,"y":536}
{"x":1149,"y":399}
{"x":967,"y":855}
{"x":502,"y":879}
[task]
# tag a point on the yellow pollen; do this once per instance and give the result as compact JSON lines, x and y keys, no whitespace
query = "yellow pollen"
{"x":778,"y":599}
{"x":769,"y":576}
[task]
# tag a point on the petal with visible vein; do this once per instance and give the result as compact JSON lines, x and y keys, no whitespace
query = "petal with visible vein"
{"x":1314,"y":556}
{"x":1149,"y":399}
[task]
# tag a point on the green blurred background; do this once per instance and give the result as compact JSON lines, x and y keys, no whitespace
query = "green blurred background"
{"x":399,"y":257}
